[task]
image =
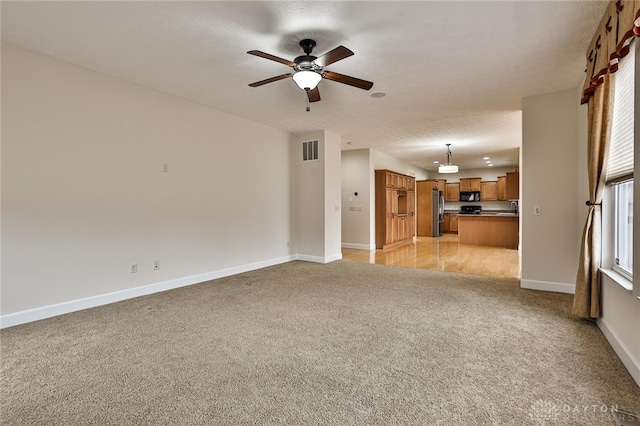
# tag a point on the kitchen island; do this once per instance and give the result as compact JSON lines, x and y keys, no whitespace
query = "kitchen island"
{"x":490,"y":229}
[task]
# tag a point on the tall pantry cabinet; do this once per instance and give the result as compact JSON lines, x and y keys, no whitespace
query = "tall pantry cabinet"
{"x":395,"y":209}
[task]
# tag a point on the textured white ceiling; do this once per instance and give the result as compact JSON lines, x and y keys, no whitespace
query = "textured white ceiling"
{"x":453,"y":72}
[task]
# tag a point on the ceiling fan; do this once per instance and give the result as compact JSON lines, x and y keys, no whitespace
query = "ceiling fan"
{"x":309,"y":69}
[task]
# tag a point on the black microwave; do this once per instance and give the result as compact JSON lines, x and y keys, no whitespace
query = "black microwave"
{"x":470,"y":196}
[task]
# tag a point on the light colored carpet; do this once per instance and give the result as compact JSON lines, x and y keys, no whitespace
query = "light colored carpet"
{"x":302,"y":343}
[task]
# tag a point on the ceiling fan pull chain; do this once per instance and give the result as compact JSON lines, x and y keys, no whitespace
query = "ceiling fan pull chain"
{"x":308,"y":106}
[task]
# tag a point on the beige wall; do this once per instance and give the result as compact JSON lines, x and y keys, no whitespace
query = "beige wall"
{"x":332,"y":196}
{"x":84,"y":194}
{"x":316,"y":189}
{"x":620,"y":323}
{"x":356,"y":220}
{"x":550,"y":242}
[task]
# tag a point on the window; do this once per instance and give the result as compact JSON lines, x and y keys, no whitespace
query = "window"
{"x":620,"y":169}
{"x":623,"y":245}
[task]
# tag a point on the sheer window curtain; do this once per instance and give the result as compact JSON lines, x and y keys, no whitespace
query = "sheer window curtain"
{"x":610,"y":44}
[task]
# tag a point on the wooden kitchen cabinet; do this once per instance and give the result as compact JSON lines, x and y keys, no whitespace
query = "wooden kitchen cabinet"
{"x":470,"y":184}
{"x":399,"y":181}
{"x":450,"y":223}
{"x":453,"y":223}
{"x":485,"y":230}
{"x":513,"y":186}
{"x":502,"y":188}
{"x":425,"y":206}
{"x":395,"y":208}
{"x":452,"y":192}
{"x":489,"y":191}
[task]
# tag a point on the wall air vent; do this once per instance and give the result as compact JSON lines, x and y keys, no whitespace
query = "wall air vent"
{"x":309,"y":151}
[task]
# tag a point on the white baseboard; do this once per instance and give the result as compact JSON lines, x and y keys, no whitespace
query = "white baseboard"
{"x":548,"y":286}
{"x":625,"y":355}
{"x":49,"y":311}
{"x":359,"y":246}
{"x":318,"y":259}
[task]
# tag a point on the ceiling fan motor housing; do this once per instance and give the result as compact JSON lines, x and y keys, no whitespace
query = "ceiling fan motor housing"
{"x":307,"y":45}
{"x":305,"y":63}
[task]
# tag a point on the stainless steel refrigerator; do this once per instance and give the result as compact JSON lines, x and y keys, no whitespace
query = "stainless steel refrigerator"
{"x":438,"y":212}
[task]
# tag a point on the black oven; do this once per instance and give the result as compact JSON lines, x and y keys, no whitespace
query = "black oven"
{"x":470,"y":210}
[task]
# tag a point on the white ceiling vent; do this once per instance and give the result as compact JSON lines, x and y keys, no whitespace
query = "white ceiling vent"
{"x":309,"y":151}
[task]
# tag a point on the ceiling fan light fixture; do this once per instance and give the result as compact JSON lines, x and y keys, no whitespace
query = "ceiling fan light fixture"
{"x":448,"y":167}
{"x":307,"y":80}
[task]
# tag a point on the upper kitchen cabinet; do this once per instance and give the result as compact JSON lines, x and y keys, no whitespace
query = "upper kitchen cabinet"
{"x":502,"y":188}
{"x":439,"y":184}
{"x":470,"y":184}
{"x":399,"y":181}
{"x":489,"y":191}
{"x":513,"y":186}
{"x":452,"y":191}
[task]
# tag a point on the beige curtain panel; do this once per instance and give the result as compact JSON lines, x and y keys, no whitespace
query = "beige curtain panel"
{"x":618,"y":28}
{"x":586,"y":300}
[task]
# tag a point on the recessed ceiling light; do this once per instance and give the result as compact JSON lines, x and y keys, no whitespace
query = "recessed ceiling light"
{"x":485,"y":158}
{"x":488,"y":161}
{"x":490,"y":165}
{"x":378,"y":95}
{"x":436,"y":162}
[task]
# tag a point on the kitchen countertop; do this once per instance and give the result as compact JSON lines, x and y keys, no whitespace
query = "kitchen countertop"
{"x":491,"y":214}
{"x":506,"y":213}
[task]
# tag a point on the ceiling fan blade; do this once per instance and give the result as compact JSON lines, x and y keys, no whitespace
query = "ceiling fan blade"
{"x":345,"y":79}
{"x":332,"y":56}
{"x":314,"y":95}
{"x":270,"y":80}
{"x":272,"y":57}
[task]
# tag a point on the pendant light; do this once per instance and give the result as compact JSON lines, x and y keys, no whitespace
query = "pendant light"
{"x":448,"y":167}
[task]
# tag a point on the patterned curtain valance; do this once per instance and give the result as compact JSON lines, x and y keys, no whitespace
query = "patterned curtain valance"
{"x":618,"y":28}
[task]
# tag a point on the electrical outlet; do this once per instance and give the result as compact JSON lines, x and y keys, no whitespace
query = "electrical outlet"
{"x":156,"y":265}
{"x":537,"y":211}
{"x":134,"y":268}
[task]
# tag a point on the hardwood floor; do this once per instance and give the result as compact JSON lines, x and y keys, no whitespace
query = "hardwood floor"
{"x":444,"y":254}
